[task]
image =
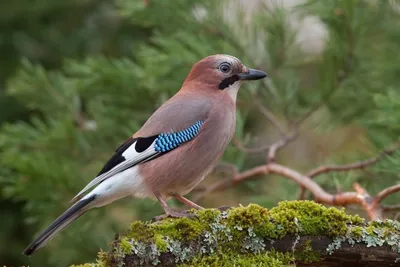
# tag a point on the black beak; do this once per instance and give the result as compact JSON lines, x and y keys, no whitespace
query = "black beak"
{"x":252,"y":75}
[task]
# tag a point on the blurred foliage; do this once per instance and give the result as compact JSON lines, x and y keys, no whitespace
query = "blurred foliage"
{"x":78,"y":77}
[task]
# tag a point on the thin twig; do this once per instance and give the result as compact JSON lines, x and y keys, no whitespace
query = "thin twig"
{"x":226,"y":168}
{"x":270,"y":116}
{"x":348,"y":167}
{"x":353,"y":166}
{"x":280,"y":144}
{"x":389,"y":208}
{"x":385,"y":193}
{"x":239,"y":145}
{"x":374,"y":211}
{"x":360,"y":197}
{"x":372,"y":205}
{"x":272,"y":149}
{"x":359,"y":189}
{"x":308,"y":113}
{"x":342,"y":168}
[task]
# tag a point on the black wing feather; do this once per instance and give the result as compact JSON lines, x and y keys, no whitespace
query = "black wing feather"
{"x":142,"y":143}
{"x":117,"y":158}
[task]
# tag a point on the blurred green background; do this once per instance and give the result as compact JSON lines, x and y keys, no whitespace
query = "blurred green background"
{"x":78,"y":77}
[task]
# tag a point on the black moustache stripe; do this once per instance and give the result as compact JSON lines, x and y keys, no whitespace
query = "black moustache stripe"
{"x":228,"y":81}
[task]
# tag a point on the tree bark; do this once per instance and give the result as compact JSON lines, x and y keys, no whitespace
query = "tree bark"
{"x":296,"y":232}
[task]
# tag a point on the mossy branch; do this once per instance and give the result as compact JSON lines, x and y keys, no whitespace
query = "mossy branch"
{"x":296,"y":232}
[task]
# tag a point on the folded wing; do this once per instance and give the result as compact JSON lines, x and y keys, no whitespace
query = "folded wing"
{"x":141,"y":149}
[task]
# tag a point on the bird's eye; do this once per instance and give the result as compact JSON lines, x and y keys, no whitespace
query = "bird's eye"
{"x":225,"y":67}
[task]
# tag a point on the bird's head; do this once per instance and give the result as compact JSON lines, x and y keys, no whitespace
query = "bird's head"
{"x":220,"y":73}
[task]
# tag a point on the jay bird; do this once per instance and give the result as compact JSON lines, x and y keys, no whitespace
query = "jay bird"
{"x":174,"y":150}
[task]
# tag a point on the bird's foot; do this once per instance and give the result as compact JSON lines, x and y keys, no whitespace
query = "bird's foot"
{"x":174,"y":214}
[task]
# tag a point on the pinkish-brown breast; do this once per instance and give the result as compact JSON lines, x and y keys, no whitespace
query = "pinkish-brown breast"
{"x":180,"y":170}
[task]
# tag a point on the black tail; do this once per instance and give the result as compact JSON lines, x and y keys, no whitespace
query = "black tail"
{"x":70,"y":215}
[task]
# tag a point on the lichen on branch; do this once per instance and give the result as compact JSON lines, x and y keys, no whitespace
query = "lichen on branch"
{"x":292,"y":232}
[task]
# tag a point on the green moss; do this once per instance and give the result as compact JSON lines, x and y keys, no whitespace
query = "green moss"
{"x":239,"y":236}
{"x":247,"y":216}
{"x":240,"y":229}
{"x":207,"y":215}
{"x":160,"y":243}
{"x":240,"y":219}
{"x":183,"y":229}
{"x":126,"y":246}
{"x":306,"y":254}
{"x":310,"y":218}
{"x":271,"y":259}
{"x":140,"y":231}
{"x":180,"y":229}
{"x":357,"y":231}
{"x":86,"y":265}
{"x":103,"y":258}
{"x":377,"y":233}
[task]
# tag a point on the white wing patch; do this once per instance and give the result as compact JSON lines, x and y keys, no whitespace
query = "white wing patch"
{"x":132,"y":157}
{"x":131,"y":152}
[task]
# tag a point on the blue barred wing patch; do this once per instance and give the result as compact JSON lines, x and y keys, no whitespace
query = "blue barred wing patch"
{"x":165,"y":142}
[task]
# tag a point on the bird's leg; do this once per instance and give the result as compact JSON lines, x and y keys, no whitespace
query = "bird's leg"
{"x":187,"y":202}
{"x":168,"y":211}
